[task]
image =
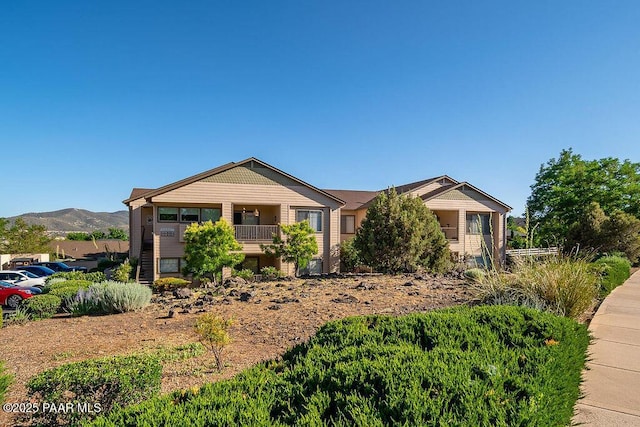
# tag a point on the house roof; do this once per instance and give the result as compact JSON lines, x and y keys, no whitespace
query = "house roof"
{"x":418,"y":184}
{"x":175,"y":185}
{"x":137,"y":193}
{"x":353,"y":199}
{"x":88,"y":249}
{"x":443,"y":190}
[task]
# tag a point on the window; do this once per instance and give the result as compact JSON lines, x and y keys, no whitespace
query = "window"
{"x":347,"y":224}
{"x":169,"y":265}
{"x":207,"y":214}
{"x":168,"y":214}
{"x":189,"y":214}
{"x":313,"y":216}
{"x":314,"y":267}
{"x":478,"y":224}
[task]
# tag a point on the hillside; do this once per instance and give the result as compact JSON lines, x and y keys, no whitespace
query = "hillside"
{"x":76,"y":220}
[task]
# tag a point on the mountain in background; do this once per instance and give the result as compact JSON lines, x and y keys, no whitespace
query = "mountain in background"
{"x":64,"y":221}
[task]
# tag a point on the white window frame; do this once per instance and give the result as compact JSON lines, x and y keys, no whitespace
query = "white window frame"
{"x":307,"y":218}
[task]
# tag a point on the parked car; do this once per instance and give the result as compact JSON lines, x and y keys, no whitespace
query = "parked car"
{"x":35,"y":290}
{"x":11,"y":295}
{"x":22,"y":278}
{"x":60,"y":267}
{"x":38,"y":270}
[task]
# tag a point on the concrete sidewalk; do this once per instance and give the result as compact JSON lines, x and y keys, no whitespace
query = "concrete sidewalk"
{"x":611,"y":385}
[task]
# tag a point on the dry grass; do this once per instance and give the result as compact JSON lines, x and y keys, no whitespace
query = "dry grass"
{"x":561,"y":285}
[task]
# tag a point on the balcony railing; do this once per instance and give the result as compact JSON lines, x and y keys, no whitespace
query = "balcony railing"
{"x":451,"y":233}
{"x":255,"y":232}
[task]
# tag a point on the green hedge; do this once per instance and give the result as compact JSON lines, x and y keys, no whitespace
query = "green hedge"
{"x":118,"y":380}
{"x":483,"y":366}
{"x":42,"y":306}
{"x":616,"y":270}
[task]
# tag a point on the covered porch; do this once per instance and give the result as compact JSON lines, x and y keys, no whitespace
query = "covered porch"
{"x":256,"y":223}
{"x":449,"y":223}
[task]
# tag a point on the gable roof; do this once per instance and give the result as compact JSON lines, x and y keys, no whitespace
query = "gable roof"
{"x":354,"y":199}
{"x":139,"y":193}
{"x":443,"y":190}
{"x":419,"y":184}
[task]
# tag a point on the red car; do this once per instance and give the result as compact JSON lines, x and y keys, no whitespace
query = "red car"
{"x":12,"y":296}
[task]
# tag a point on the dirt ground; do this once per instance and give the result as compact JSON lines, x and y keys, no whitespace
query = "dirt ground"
{"x":269,"y":318}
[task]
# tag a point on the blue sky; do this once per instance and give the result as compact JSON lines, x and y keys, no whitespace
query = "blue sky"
{"x":100,"y":97}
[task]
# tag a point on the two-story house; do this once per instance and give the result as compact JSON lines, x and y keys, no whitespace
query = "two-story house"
{"x":255,"y":197}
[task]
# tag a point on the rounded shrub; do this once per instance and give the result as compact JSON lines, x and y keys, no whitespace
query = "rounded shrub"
{"x":170,"y":284}
{"x":119,"y":297}
{"x":271,"y":273}
{"x":42,"y":306}
{"x":67,"y":290}
{"x":615,"y":270}
{"x":245,"y":274}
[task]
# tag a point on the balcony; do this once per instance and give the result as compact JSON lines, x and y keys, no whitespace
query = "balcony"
{"x":255,"y":233}
{"x":451,"y":233}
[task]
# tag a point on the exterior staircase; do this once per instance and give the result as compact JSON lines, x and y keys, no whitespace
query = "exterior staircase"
{"x":144,"y":274}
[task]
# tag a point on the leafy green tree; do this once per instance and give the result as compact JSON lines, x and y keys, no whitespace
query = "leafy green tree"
{"x":349,"y":256}
{"x":21,"y":238}
{"x":117,"y":234}
{"x":78,"y":236}
{"x":209,"y":248}
{"x":400,"y":233}
{"x":598,"y":232}
{"x":299,"y":245}
{"x":97,"y":235}
{"x":565,"y":187}
{"x":517,"y":234}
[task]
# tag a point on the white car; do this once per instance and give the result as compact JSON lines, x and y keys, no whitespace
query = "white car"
{"x":22,"y":278}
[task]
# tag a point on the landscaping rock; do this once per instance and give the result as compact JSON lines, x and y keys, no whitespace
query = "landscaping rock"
{"x":285,"y":300}
{"x":346,"y":299}
{"x":183,"y":293}
{"x":364,"y":286}
{"x":234,"y":281}
{"x":246,"y":296}
{"x":274,"y":307}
